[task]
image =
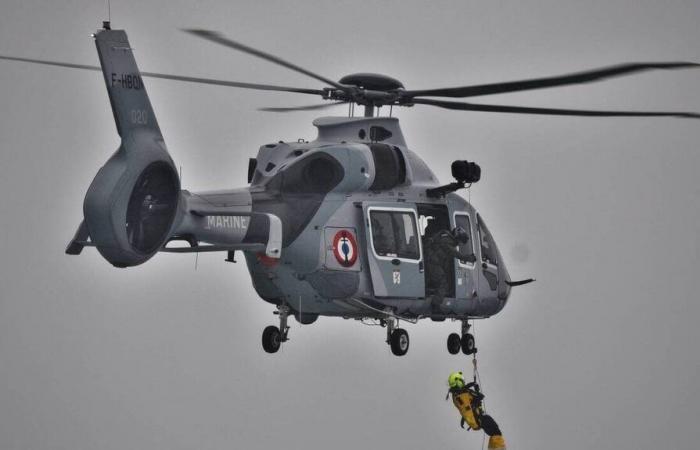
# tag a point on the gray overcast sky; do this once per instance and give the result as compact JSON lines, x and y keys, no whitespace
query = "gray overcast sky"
{"x":600,"y":353}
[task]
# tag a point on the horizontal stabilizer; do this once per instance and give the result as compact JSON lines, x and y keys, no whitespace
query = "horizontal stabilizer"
{"x":215,"y":248}
{"x":80,"y":240}
{"x":228,"y":229}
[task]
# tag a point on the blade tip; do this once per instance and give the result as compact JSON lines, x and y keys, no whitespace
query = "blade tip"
{"x":199,"y":31}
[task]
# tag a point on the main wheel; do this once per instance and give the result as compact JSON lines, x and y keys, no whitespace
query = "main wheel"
{"x":468,"y":344}
{"x":454,"y":343}
{"x":271,"y":339}
{"x":399,"y":342}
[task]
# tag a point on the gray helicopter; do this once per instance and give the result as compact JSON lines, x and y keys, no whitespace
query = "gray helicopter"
{"x":333,"y":227}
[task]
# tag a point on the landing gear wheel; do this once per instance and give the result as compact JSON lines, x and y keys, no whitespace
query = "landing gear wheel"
{"x":399,"y":342}
{"x":454,"y":343}
{"x":271,"y":339}
{"x":468,"y":344}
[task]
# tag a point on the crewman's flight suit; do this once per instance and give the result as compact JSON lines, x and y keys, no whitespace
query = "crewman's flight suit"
{"x":440,"y":252}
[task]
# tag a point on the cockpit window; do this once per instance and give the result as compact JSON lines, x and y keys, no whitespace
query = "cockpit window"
{"x":462,"y":221}
{"x":315,"y":174}
{"x":488,"y":247}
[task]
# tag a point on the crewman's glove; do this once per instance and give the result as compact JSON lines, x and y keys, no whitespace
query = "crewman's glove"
{"x":469,"y":259}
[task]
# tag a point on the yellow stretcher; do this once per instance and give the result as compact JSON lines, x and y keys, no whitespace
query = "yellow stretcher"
{"x":468,"y":402}
{"x":469,"y":407}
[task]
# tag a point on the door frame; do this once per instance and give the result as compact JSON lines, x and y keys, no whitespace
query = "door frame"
{"x":378,"y":265}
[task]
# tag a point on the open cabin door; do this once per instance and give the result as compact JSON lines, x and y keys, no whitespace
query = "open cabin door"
{"x":394,"y":250}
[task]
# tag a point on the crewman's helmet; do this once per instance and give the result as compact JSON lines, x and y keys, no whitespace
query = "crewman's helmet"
{"x":456,"y":380}
{"x":460,"y":234}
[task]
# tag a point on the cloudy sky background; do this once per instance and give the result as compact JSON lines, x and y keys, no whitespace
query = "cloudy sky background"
{"x":600,"y":353}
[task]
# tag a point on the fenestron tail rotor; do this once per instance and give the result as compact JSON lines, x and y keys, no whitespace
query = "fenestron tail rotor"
{"x":375,"y":90}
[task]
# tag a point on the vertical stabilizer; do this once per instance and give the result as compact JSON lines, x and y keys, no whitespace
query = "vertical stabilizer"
{"x":127,"y":93}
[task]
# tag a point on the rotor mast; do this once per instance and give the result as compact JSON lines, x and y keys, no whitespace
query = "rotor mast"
{"x":371,"y":90}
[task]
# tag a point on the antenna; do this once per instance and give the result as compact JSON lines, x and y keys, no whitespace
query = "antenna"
{"x":107,"y":24}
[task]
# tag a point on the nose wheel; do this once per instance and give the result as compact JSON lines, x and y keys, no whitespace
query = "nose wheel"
{"x":465,"y":342}
{"x":273,"y":336}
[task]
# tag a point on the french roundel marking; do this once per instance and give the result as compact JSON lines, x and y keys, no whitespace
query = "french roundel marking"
{"x":345,"y":248}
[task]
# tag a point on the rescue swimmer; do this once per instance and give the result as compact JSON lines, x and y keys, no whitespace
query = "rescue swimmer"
{"x":468,"y":400}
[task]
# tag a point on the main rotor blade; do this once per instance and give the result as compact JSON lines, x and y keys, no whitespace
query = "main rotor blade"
{"x":219,"y":38}
{"x":540,"y":83}
{"x":302,"y":108}
{"x":550,"y":111}
{"x":238,"y":84}
{"x":51,"y":63}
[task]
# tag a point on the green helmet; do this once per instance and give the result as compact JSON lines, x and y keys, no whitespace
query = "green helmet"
{"x":455,"y":380}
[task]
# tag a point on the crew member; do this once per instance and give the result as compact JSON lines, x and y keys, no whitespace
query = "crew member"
{"x":440,"y":251}
{"x":468,"y":400}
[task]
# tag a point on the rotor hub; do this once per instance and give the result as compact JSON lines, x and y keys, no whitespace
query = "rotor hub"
{"x":372,"y":81}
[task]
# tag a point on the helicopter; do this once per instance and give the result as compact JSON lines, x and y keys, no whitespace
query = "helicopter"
{"x":338,"y":226}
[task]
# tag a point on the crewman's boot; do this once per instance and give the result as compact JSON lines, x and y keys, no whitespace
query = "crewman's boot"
{"x":497,"y":442}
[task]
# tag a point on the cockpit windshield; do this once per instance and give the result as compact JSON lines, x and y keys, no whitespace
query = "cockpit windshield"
{"x":488,"y":247}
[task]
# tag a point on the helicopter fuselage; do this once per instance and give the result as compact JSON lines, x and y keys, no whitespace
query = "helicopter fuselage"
{"x":356,"y":219}
{"x":339,"y":226}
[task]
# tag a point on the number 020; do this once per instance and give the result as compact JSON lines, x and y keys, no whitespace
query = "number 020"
{"x":139,"y":116}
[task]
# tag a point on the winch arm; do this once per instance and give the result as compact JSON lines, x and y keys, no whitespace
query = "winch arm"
{"x":441,"y":191}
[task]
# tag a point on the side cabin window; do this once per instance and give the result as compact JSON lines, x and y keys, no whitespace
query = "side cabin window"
{"x":389,"y":167}
{"x":462,"y":221}
{"x":394,"y":234}
{"x":488,"y":247}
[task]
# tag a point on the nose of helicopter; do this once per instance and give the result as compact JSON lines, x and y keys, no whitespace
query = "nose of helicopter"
{"x":503,"y":285}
